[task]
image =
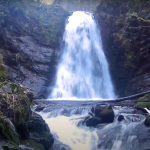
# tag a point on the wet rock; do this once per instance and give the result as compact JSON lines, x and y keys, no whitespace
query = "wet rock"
{"x":30,"y":96}
{"x":91,"y":114}
{"x":16,"y":106}
{"x":30,"y":145}
{"x":23,"y":147}
{"x":147,"y":121}
{"x":92,"y":110}
{"x":93,"y":122}
{"x":39,"y":108}
{"x":8,"y":146}
{"x":142,"y":110}
{"x":120,"y":118}
{"x":105,"y":112}
{"x":30,"y":52}
{"x":40,"y":132}
{"x":100,"y":114}
{"x":8,"y":131}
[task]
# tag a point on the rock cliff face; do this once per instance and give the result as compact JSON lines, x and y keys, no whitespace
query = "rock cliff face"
{"x":78,"y":5}
{"x":125,"y":33}
{"x":30,"y":35}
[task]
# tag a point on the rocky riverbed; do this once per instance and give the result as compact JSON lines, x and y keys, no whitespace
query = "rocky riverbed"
{"x":30,"y":39}
{"x":78,"y":123}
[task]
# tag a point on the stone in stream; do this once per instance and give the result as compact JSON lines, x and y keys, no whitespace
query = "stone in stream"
{"x":147,"y":121}
{"x":120,"y":118}
{"x":105,"y":112}
{"x":102,"y":114}
{"x":94,"y":121}
{"x":39,"y":108}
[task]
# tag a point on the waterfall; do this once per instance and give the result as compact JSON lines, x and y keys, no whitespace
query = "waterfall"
{"x":83,"y":70}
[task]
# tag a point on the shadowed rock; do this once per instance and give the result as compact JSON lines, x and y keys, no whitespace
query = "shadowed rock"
{"x":40,"y":132}
{"x":102,"y":114}
{"x":147,"y":121}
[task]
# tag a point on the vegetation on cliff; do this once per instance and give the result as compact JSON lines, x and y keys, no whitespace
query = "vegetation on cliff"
{"x":126,"y":25}
{"x":30,"y":35}
{"x":33,"y":24}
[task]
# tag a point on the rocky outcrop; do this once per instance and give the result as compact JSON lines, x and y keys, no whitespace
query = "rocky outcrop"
{"x":143,"y":102}
{"x":30,"y":35}
{"x":120,"y":118}
{"x":39,"y":131}
{"x":77,"y":5}
{"x":125,"y":34}
{"x":18,"y":123}
{"x":100,"y":114}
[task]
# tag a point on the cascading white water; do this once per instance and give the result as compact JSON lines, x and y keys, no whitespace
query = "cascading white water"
{"x":83,"y":71}
{"x":65,"y":120}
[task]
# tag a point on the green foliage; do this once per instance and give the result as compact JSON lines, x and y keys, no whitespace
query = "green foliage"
{"x":7,"y":133}
{"x":134,"y":14}
{"x":145,"y":98}
{"x":143,"y":105}
{"x":143,"y":102}
{"x":18,"y":103}
{"x":3,"y":72}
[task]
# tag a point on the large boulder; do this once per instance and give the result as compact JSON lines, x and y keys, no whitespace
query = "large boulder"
{"x":16,"y":106}
{"x":8,"y":131}
{"x":100,"y":114}
{"x":40,"y":132}
{"x":105,"y":112}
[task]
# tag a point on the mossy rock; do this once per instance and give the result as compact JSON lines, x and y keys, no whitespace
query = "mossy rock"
{"x":145,"y":98}
{"x":7,"y":131}
{"x":143,"y":102}
{"x":40,"y":132}
{"x":105,"y":112}
{"x":22,"y":110}
{"x":8,"y":146}
{"x":16,"y":89}
{"x":17,"y":107}
{"x":3,"y":73}
{"x":143,"y":105}
{"x":32,"y":144}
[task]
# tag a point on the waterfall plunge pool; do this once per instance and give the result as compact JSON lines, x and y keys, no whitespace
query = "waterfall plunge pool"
{"x":83,"y":73}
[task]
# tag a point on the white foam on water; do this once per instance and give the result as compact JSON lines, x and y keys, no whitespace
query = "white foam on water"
{"x":65,"y":129}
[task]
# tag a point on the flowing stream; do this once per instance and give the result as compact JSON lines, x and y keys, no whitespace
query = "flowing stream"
{"x":83,"y":73}
{"x":65,"y":121}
